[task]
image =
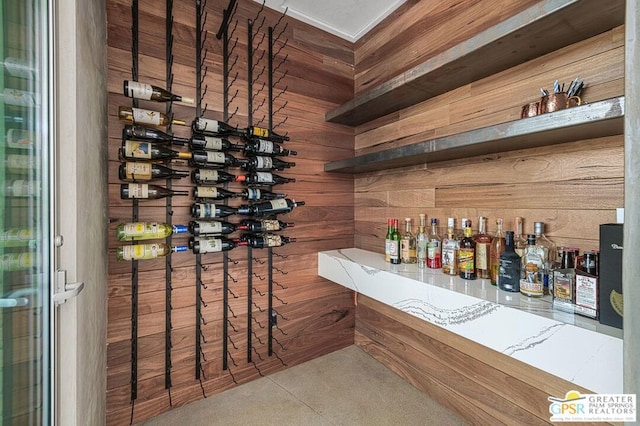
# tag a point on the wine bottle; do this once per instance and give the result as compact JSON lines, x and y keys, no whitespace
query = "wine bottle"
{"x":214,"y":159}
{"x":214,"y":227}
{"x":20,"y":139}
{"x":17,"y":237}
{"x":266,"y":240}
{"x":263,"y":147}
{"x":388,"y":241}
{"x":255,"y":194}
{"x":263,"y":163}
{"x":17,"y":97}
{"x":214,"y":245}
{"x":211,"y":211}
{"x":510,"y":265}
{"x":408,"y":247}
{"x":146,"y":116}
{"x":146,"y":251}
{"x":132,"y":171}
{"x":137,"y":150}
{"x":134,"y":89}
{"x":396,"y":239}
{"x":146,"y":191}
{"x":135,"y":131}
{"x":208,"y":176}
{"x":17,"y":261}
{"x":266,"y":134}
{"x":214,"y":128}
{"x":200,"y":142}
{"x":18,"y":67}
{"x":265,"y":225}
{"x":22,"y":188}
{"x":135,"y":231}
{"x":21,"y":164}
{"x":263,"y":178}
{"x":269,"y":208}
{"x":212,"y":193}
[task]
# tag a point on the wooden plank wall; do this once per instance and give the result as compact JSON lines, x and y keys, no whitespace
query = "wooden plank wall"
{"x":572,"y":187}
{"x":315,"y":316}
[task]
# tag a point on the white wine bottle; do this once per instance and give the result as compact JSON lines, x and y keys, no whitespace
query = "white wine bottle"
{"x":146,"y":251}
{"x":146,"y":116}
{"x":138,"y":150}
{"x":146,"y":191}
{"x":147,"y":92}
{"x":135,"y":231}
{"x":17,"y":237}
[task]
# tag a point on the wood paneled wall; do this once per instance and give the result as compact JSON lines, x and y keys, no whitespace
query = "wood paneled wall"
{"x":572,"y":187}
{"x":315,"y":316}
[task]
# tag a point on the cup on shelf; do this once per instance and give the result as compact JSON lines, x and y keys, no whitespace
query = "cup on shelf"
{"x":557,"y":101}
{"x":530,"y":110}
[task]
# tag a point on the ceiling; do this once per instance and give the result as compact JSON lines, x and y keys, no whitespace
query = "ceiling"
{"x":349,"y":19}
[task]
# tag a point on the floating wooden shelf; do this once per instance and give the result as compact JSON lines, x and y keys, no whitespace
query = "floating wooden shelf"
{"x":541,"y":29}
{"x":599,"y":119}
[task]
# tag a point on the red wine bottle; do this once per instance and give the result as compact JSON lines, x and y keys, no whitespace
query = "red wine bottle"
{"x":266,"y":240}
{"x":137,"y":150}
{"x":256,"y":194}
{"x":151,"y":134}
{"x":270,"y":208}
{"x":213,"y":245}
{"x":214,"y":227}
{"x":263,"y":147}
{"x":265,"y":225}
{"x":214,"y":159}
{"x":264,"y":163}
{"x":212,"y":193}
{"x":134,"y":89}
{"x":133,"y":171}
{"x":263,"y":178}
{"x":211,"y":211}
{"x":201,"y":142}
{"x":209,"y":176}
{"x":146,"y":191}
{"x":263,"y":133}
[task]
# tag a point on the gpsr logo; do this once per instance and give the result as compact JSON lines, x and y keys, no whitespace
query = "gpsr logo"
{"x":616,"y":247}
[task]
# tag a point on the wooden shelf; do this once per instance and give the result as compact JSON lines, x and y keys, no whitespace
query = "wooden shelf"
{"x":599,"y":119}
{"x":541,"y":29}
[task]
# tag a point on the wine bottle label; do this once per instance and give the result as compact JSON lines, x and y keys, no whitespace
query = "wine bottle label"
{"x":270,"y":225}
{"x":20,"y":139}
{"x":16,"y":261}
{"x":213,"y":227}
{"x":207,"y":192}
{"x":138,"y":190}
{"x":139,"y":90}
{"x":433,"y":249}
{"x":393,"y":248}
{"x":466,"y":260}
{"x":214,"y":144}
{"x":264,"y":177}
{"x":272,"y":240}
{"x":482,"y":256}
{"x":531,"y":288}
{"x":265,"y":146}
{"x":146,"y":116}
{"x":264,"y":162}
{"x":260,"y":132}
{"x":140,"y":251}
{"x":207,"y":211}
{"x":216,"y":157}
{"x":208,"y":175}
{"x":138,"y":229}
{"x":138,"y":170}
{"x":211,"y":245}
{"x":253,"y":194}
{"x":136,"y":149}
{"x":279,"y":204}
{"x":205,"y":124}
{"x":20,"y":163}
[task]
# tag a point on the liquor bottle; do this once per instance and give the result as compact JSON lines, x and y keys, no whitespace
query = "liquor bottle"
{"x":146,"y":191}
{"x":214,"y":128}
{"x":199,"y":142}
{"x":532,"y":282}
{"x":214,"y":245}
{"x":22,"y":188}
{"x":497,"y":247}
{"x":209,"y":176}
{"x":147,"y":92}
{"x":20,"y":98}
{"x":519,"y":242}
{"x":19,"y":67}
{"x":20,"y":139}
{"x":510,"y":265}
{"x":134,"y":231}
{"x":212,"y":193}
{"x":151,"y":134}
{"x":263,"y":178}
{"x":264,"y":163}
{"x":266,"y":134}
{"x":388,"y":240}
{"x":408,"y":244}
{"x":146,"y":251}
{"x":214,"y":159}
{"x":421,"y":242}
{"x":17,"y":237}
{"x":266,"y":240}
{"x":211,"y":211}
{"x":395,"y":255}
{"x":483,"y":249}
{"x":133,"y":171}
{"x":270,"y":208}
{"x":17,"y":261}
{"x":450,"y":247}
{"x":263,"y":147}
{"x":146,"y":116}
{"x":434,"y":247}
{"x":265,"y":225}
{"x":467,"y":255}
{"x":549,"y":256}
{"x":214,"y":227}
{"x":21,"y":164}
{"x":256,"y":194}
{"x":138,"y":150}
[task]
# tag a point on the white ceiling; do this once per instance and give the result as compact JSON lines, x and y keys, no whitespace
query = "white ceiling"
{"x":349,"y":19}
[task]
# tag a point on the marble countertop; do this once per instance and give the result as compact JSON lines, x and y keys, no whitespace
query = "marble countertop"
{"x":529,"y":329}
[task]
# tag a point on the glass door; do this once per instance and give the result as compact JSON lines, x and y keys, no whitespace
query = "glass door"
{"x":25,"y":217}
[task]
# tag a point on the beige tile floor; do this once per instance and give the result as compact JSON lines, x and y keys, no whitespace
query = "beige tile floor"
{"x":346,"y":387}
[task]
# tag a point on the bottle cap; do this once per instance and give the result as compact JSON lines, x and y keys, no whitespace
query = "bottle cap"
{"x":434,"y":221}
{"x":186,"y":100}
{"x":531,"y":239}
{"x":180,"y":229}
{"x":538,"y":228}
{"x":407,"y":219}
{"x":451,"y":222}
{"x":178,"y":249}
{"x":241,"y":178}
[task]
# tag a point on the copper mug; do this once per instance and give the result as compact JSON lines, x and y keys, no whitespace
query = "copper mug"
{"x":530,"y":110}
{"x":557,"y":101}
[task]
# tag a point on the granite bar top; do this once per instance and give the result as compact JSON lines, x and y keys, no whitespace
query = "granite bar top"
{"x":527,"y":329}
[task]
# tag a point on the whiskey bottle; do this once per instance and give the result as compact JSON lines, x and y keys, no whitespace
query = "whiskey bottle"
{"x":408,"y":244}
{"x":146,"y":116}
{"x":510,"y":266}
{"x":146,"y":251}
{"x":138,"y":150}
{"x":532,"y":281}
{"x":483,"y":249}
{"x":133,"y":171}
{"x":450,"y":246}
{"x":151,"y":134}
{"x":421,"y":242}
{"x":395,"y":255}
{"x":263,"y":147}
{"x":497,"y":247}
{"x":135,"y":231}
{"x":147,"y":92}
{"x":434,"y":247}
{"x":214,"y":227}
{"x":467,"y":256}
{"x":199,"y":142}
{"x":210,"y":176}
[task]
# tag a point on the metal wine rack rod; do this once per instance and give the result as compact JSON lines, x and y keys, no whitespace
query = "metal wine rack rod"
{"x":134,"y":217}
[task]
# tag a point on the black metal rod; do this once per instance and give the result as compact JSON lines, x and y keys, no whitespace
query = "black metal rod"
{"x":225,"y":256}
{"x":249,"y":124}
{"x":270,"y":250}
{"x":198,"y":67}
{"x":225,"y":19}
{"x":134,"y":264}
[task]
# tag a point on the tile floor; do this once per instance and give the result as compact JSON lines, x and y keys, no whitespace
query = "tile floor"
{"x":346,"y":387}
